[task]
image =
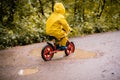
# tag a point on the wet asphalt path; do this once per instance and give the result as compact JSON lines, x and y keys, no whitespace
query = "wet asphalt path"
{"x":100,"y":60}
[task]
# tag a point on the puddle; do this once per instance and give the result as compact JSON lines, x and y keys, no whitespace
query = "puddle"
{"x":23,"y":72}
{"x":36,"y":52}
{"x":78,"y":54}
{"x":82,"y":54}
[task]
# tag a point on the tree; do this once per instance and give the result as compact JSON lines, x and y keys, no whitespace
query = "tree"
{"x":100,"y":8}
{"x":53,"y":2}
{"x":41,"y":7}
{"x":1,"y":11}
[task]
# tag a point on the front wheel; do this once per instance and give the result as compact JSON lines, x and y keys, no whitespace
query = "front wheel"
{"x":70,"y":48}
{"x":47,"y":53}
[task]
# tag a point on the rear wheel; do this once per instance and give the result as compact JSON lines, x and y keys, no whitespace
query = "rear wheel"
{"x":47,"y":53}
{"x":70,"y":48}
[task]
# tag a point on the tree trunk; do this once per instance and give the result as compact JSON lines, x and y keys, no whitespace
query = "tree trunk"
{"x":75,"y":10}
{"x":12,"y":10}
{"x":53,"y":5}
{"x":41,"y":7}
{"x":1,"y":12}
{"x":83,"y":10}
{"x":101,"y":8}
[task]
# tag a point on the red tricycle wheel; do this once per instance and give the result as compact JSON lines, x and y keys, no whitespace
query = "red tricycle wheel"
{"x":47,"y":53}
{"x":70,"y":48}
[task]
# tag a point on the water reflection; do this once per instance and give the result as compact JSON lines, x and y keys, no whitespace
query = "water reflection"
{"x":27,"y":71}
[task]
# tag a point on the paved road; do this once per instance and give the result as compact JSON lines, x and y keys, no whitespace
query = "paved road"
{"x":97,"y":57}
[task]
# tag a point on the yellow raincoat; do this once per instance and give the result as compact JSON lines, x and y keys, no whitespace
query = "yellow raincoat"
{"x":57,"y":25}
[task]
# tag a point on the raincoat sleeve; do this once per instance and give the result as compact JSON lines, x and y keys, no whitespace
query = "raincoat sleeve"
{"x":65,"y":25}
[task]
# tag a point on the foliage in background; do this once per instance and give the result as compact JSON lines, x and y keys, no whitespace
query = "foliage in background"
{"x":23,"y":21}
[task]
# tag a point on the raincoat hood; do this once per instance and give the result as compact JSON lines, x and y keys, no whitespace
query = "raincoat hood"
{"x":59,"y":8}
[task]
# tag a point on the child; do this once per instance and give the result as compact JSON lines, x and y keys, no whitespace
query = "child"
{"x":57,"y":25}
